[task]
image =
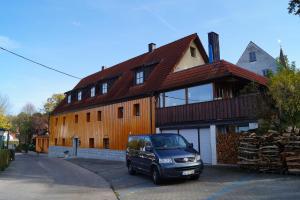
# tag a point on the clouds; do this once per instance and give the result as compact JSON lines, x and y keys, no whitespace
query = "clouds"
{"x":6,"y":42}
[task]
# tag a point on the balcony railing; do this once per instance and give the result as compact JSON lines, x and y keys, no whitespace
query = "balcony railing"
{"x":237,"y":108}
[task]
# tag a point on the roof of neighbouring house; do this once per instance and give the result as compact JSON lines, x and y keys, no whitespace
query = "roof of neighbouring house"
{"x":162,"y":77}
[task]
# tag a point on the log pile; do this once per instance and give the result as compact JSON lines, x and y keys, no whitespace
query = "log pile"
{"x":292,"y":154}
{"x":227,"y":146}
{"x":248,"y":151}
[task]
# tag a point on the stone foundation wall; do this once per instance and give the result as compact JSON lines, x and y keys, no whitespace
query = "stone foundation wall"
{"x":106,"y":154}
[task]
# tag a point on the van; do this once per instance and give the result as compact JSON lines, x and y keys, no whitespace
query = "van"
{"x":163,"y":156}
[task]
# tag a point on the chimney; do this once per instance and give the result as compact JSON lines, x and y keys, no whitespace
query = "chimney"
{"x":103,"y":67}
{"x":213,"y":47}
{"x":151,"y":47}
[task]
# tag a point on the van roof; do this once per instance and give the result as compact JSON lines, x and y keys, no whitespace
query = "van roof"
{"x":153,"y":134}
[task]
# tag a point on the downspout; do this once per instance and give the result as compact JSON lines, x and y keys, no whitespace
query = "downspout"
{"x":151,"y":114}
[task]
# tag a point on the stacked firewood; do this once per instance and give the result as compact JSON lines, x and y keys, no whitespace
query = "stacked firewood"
{"x":227,"y":146}
{"x":248,"y":151}
{"x":292,"y":153}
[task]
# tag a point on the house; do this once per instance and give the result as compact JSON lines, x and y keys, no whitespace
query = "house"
{"x":257,"y":60}
{"x":173,"y":88}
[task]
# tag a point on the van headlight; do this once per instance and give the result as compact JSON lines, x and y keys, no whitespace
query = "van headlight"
{"x":165,"y":160}
{"x":197,"y":158}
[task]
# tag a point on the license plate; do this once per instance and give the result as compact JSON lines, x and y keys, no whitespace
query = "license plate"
{"x":188,"y":172}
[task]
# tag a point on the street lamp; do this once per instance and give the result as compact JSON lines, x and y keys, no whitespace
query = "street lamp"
{"x":2,"y":131}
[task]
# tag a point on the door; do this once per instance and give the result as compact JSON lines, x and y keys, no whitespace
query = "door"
{"x":146,"y":157}
{"x":191,"y":135}
{"x":205,"y":145}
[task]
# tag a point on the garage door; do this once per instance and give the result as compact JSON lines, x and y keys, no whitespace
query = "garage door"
{"x":191,"y":135}
{"x":169,"y":131}
{"x":205,"y":145}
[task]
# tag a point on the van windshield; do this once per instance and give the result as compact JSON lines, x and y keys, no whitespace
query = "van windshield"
{"x":168,"y":141}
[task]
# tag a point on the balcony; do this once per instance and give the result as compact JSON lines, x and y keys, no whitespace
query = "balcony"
{"x":237,"y":108}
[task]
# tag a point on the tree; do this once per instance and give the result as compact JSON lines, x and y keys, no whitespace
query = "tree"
{"x":52,"y":102}
{"x":29,"y":109}
{"x":4,"y":122}
{"x":294,"y":7}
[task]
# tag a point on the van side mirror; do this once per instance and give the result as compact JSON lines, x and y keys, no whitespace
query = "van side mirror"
{"x":149,"y":148}
{"x":190,"y":145}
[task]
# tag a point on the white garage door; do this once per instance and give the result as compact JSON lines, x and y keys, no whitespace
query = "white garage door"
{"x":205,"y":145}
{"x":191,"y":135}
{"x":169,"y":131}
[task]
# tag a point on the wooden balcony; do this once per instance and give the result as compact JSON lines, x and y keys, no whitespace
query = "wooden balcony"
{"x":238,"y":108}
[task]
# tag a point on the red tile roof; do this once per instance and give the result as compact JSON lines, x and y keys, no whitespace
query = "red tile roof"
{"x":162,"y":76}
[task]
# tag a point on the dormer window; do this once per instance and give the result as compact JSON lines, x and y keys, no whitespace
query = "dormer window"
{"x":104,"y":88}
{"x":139,"y":77}
{"x":69,"y":98}
{"x":79,"y":96}
{"x":252,"y":56}
{"x":92,"y":91}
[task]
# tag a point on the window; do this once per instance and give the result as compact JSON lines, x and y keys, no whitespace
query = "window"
{"x":64,"y":120}
{"x":93,"y":91}
{"x":266,"y":72}
{"x":76,"y":119}
{"x":69,"y":98}
{"x":91,"y":142}
{"x":139,"y":77}
{"x":200,"y":93}
{"x":88,"y":117}
{"x":79,"y":95}
{"x":99,"y":117}
{"x":56,"y":121}
{"x":136,"y":109}
{"x":242,"y":128}
{"x":252,"y":56}
{"x":104,"y":88}
{"x":106,"y":143}
{"x":120,"y":112}
{"x":63,"y":142}
{"x":175,"y":98}
{"x":55,"y":141}
{"x":193,"y":51}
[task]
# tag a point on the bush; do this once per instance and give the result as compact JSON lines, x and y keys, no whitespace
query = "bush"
{"x":4,"y":158}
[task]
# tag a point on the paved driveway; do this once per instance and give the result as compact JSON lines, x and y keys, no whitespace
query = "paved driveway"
{"x":215,"y":183}
{"x":41,"y":178}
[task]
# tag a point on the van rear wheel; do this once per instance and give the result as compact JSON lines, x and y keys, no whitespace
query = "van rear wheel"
{"x":156,"y":176}
{"x":131,"y":171}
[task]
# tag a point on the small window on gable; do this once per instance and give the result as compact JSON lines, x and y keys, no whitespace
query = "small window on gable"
{"x":104,"y":88}
{"x":99,"y":117}
{"x":252,"y":56}
{"x":136,"y":109}
{"x":120,"y":112}
{"x":69,"y":98}
{"x":64,"y":120}
{"x":76,"y":119}
{"x":88,"y":117}
{"x":193,"y":51}
{"x":139,"y":77}
{"x":93,"y":91}
{"x":79,"y":96}
{"x":106,"y":143}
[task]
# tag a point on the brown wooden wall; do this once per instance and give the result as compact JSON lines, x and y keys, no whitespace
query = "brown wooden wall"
{"x":41,"y":144}
{"x":117,"y":130}
{"x":243,"y":107}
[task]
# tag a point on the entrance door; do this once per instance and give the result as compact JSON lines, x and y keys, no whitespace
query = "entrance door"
{"x":75,"y":146}
{"x":191,"y":135}
{"x":205,"y":145}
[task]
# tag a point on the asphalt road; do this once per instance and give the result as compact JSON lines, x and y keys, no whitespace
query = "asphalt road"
{"x":215,"y":183}
{"x":32,"y":177}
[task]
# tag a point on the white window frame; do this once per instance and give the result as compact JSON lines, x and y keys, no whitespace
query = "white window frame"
{"x":139,"y":77}
{"x":104,"y":88}
{"x":69,"y":98}
{"x":93,"y":90}
{"x":79,"y":96}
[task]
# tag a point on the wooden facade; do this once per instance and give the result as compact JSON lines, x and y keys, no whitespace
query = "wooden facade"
{"x":237,"y":108}
{"x":109,"y":126}
{"x":42,"y":144}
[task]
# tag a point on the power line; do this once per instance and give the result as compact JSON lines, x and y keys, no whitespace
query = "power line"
{"x":40,"y":64}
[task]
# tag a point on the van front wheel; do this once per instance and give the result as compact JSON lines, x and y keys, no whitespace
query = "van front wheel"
{"x":131,"y":171}
{"x":156,"y":176}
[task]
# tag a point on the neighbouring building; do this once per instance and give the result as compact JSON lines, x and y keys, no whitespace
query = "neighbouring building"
{"x":173,"y":88}
{"x":257,"y":60}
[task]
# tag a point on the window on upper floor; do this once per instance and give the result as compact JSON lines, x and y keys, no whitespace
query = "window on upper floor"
{"x":175,"y":98}
{"x":76,"y":119}
{"x":88,"y":117}
{"x":266,"y":72}
{"x":104,"y":88}
{"x":136,"y":109}
{"x":252,"y":56}
{"x":139,"y":77}
{"x":120,"y":112}
{"x":64,"y":120}
{"x":69,"y":98}
{"x":55,"y":141}
{"x":79,"y":96}
{"x":200,"y":93}
{"x":193,"y":51}
{"x":63,"y":142}
{"x":93,"y":90}
{"x":56,"y":121}
{"x":91,"y":143}
{"x":99,"y":115}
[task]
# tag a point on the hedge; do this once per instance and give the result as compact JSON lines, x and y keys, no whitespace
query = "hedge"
{"x":4,"y":158}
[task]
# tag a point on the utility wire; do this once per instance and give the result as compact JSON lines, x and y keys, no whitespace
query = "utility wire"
{"x":40,"y":64}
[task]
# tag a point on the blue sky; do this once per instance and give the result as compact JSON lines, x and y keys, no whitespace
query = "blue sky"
{"x":79,"y":37}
